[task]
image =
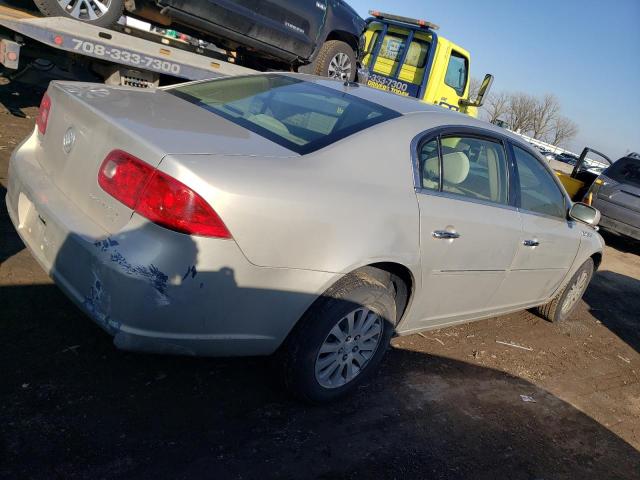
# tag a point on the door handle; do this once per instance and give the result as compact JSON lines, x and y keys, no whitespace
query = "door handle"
{"x":530,"y":243}
{"x":445,"y":234}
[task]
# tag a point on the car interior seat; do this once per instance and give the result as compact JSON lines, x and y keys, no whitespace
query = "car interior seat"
{"x":456,"y":169}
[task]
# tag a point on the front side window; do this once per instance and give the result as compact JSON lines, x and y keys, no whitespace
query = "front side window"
{"x":456,"y":76}
{"x":539,"y":192}
{"x":299,"y":115}
{"x":471,"y":167}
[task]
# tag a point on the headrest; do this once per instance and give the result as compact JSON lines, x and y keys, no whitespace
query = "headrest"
{"x":456,"y":167}
{"x":431,"y":168}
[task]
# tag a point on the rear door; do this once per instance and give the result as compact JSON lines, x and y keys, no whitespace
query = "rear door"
{"x":291,"y":26}
{"x":469,"y":232}
{"x":550,"y":240}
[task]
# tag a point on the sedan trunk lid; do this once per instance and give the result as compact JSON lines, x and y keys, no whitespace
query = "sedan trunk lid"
{"x":87,"y":121}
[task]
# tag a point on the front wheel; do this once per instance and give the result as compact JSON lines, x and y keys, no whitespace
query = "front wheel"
{"x":565,"y":301}
{"x":102,"y":13}
{"x":341,"y":340}
{"x":336,"y":59}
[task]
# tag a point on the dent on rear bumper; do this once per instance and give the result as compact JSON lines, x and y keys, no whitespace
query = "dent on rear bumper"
{"x":154,"y":289}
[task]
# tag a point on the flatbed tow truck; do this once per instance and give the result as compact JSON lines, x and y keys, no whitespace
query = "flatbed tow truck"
{"x":121,"y":55}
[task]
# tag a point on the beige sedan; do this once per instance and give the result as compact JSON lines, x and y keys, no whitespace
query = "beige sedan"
{"x":289,"y":214}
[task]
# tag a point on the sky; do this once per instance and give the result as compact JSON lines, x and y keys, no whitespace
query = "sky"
{"x":587,"y":53}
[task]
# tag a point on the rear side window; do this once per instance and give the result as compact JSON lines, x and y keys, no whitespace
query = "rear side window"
{"x":456,"y":76}
{"x":539,"y":192}
{"x":625,"y":170}
{"x":470,"y":167}
{"x":299,"y":115}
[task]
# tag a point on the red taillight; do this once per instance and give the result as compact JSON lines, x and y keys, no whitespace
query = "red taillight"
{"x":43,"y":114}
{"x":124,"y":177}
{"x":158,"y":197}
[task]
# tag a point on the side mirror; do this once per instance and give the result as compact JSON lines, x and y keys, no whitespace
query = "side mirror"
{"x":585,"y":214}
{"x":482,"y":92}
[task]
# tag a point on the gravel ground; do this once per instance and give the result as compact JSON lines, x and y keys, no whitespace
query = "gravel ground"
{"x":447,"y":404}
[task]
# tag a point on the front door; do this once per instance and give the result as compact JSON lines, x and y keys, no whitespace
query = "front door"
{"x":469,"y":232}
{"x":550,"y":240}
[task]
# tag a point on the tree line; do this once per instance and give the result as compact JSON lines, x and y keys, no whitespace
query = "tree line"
{"x":537,"y":117}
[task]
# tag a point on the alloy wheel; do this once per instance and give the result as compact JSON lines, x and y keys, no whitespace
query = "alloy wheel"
{"x":349,"y":346}
{"x":575,"y":292}
{"x":340,"y":66}
{"x":86,"y":10}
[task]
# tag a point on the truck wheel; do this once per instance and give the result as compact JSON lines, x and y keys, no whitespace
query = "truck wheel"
{"x":565,"y":301}
{"x":102,"y":13}
{"x":341,"y":339}
{"x":336,"y":59}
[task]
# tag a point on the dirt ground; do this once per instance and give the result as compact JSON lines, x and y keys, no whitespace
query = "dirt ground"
{"x":446,"y":404}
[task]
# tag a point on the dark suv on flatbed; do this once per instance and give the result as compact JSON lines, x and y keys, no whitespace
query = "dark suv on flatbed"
{"x":319,"y":34}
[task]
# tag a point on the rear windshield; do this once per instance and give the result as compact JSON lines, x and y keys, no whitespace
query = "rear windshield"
{"x":299,"y":115}
{"x":625,"y":170}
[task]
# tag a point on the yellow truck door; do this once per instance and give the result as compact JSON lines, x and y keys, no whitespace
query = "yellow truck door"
{"x":449,"y":80}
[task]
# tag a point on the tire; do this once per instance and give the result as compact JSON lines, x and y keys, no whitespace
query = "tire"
{"x":80,"y":10}
{"x":336,"y":59}
{"x":318,"y":377}
{"x":564,"y":303}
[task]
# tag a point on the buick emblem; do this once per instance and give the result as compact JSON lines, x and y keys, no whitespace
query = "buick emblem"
{"x":68,"y":140}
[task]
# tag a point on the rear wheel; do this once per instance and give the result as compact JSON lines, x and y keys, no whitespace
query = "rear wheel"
{"x":341,"y":340}
{"x":102,"y":13}
{"x":336,"y":59}
{"x":564,"y":303}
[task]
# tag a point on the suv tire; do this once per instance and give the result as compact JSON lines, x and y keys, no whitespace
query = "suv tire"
{"x":341,"y":339}
{"x":106,"y":18}
{"x":336,"y":59}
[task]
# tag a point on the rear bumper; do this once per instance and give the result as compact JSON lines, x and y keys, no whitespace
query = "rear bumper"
{"x":153,"y":289}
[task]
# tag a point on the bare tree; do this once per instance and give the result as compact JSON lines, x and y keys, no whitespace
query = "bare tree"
{"x":544,"y":115}
{"x":520,"y":112}
{"x":563,"y":129}
{"x":524,"y":113}
{"x":496,"y":106}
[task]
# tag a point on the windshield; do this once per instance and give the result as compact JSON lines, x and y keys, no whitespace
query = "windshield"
{"x":625,"y":170}
{"x":299,"y":115}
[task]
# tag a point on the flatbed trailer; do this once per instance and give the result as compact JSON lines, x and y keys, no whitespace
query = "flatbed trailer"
{"x":106,"y":51}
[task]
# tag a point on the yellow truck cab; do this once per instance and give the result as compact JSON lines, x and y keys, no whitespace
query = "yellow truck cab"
{"x":432,"y":68}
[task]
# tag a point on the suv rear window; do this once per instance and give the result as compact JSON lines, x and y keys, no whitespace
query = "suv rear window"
{"x":625,"y":170}
{"x":299,"y":115}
